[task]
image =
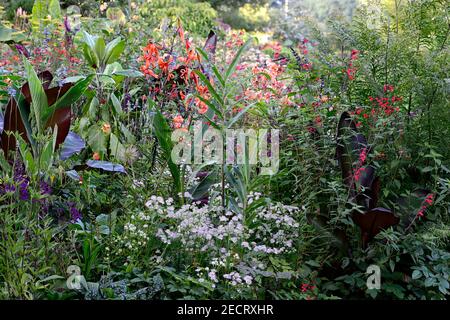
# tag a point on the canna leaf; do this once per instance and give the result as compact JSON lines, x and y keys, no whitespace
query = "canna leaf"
{"x":113,"y":50}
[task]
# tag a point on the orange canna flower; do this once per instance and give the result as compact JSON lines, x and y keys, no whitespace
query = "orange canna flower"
{"x":96,"y":156}
{"x":164,"y":64}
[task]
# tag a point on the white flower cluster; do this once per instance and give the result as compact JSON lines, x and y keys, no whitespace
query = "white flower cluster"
{"x":227,"y":238}
{"x":275,"y":228}
{"x":200,"y":227}
{"x":272,"y":229}
{"x":235,"y":278}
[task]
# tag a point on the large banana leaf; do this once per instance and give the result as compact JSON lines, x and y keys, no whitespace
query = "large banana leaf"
{"x":373,"y":221}
{"x":56,"y":110}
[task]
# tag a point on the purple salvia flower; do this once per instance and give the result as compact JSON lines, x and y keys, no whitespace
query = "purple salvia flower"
{"x":45,"y":188}
{"x":67,"y":24}
{"x":74,"y":212}
{"x":9,"y":188}
{"x":24,"y":194}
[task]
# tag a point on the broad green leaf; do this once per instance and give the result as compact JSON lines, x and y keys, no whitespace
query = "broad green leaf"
{"x":116,"y":104}
{"x":90,"y":56}
{"x":163,"y":134}
{"x":39,"y":102}
{"x":39,"y":13}
{"x":416,"y":274}
{"x":96,"y":139}
{"x":100,"y":48}
{"x":93,"y":108}
{"x":89,"y":49}
{"x":70,"y":97}
{"x":116,"y":148}
{"x":46,"y":158}
{"x":10,"y":35}
{"x":54,"y":9}
{"x":129,"y":73}
{"x":127,"y":133}
{"x":113,"y":50}
{"x":73,"y":79}
{"x":89,"y":40}
{"x":112,"y":69}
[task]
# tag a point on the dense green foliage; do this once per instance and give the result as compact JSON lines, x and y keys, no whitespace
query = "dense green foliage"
{"x":94,"y":206}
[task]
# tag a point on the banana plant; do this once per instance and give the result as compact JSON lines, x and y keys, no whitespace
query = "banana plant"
{"x":36,"y":108}
{"x":364,"y":188}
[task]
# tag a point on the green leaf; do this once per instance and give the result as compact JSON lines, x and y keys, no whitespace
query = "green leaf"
{"x":429,"y":282}
{"x":89,"y":40}
{"x":116,"y":148}
{"x":96,"y":139}
{"x":116,"y":104}
{"x":6,"y":167}
{"x":211,"y":89}
{"x":128,"y":73}
{"x":112,"y":69}
{"x":70,"y":97}
{"x":416,"y":274}
{"x":204,"y":186}
{"x":100,"y":48}
{"x":73,"y":79}
{"x":93,"y":107}
{"x":163,"y":134}
{"x":113,"y":50}
{"x":46,"y":159}
{"x":10,"y":35}
{"x":24,"y":115}
{"x":90,"y":56}
{"x":127,"y":133}
{"x":39,"y":102}
{"x":214,"y":68}
{"x":54,"y":9}
{"x":39,"y":13}
{"x":89,"y":49}
{"x":26,"y":154}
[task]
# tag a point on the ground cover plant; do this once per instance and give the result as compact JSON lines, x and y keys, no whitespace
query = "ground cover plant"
{"x":150,"y":150}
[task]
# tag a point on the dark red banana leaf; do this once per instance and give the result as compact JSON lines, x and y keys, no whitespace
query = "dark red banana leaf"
{"x":13,"y":119}
{"x":373,"y":221}
{"x":350,"y":144}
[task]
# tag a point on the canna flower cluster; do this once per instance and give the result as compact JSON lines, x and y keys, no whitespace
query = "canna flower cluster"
{"x":171,"y":72}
